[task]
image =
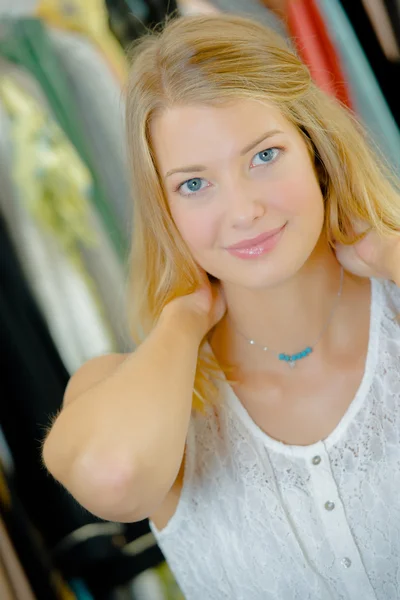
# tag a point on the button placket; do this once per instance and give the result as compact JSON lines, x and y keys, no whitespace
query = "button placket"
{"x":329,"y":505}
{"x":333,"y":517}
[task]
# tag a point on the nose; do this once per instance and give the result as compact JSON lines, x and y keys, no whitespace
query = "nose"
{"x":244,"y":205}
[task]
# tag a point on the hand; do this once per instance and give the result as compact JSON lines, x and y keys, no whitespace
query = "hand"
{"x":207,"y":305}
{"x":373,"y":256}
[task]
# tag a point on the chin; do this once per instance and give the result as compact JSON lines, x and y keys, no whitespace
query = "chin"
{"x":262,"y":277}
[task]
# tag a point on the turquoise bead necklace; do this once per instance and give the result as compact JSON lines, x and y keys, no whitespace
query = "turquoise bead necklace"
{"x":292,"y":359}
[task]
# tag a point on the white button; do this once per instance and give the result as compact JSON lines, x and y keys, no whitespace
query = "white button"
{"x":329,"y":505}
{"x":346,"y":562}
{"x":316,"y":460}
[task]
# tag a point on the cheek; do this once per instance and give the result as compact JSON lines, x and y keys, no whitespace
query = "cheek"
{"x":299,"y":196}
{"x":198,"y":227}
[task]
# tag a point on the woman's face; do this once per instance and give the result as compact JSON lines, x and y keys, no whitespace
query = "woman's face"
{"x":242,"y":190}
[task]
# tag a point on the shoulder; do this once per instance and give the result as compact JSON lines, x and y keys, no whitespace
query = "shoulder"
{"x":92,"y":372}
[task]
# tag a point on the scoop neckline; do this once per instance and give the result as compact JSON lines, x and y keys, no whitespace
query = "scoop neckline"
{"x":354,"y":406}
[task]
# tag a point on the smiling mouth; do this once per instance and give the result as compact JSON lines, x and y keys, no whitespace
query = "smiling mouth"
{"x":256,"y":241}
{"x":257,"y":246}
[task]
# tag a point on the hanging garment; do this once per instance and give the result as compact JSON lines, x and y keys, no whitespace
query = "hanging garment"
{"x":197,"y":7}
{"x":105,"y":555}
{"x":52,"y":187}
{"x":278,"y":7}
{"x":99,"y":259}
{"x":13,"y":582}
{"x":100,"y":104}
{"x":91,"y":19}
{"x":369,"y":101}
{"x":125,"y":23}
{"x":6,"y":591}
{"x":26,"y":42}
{"x":130,"y":19}
{"x":5,"y":455}
{"x":159,"y":9}
{"x":393,"y":8}
{"x":386,"y":72}
{"x":22,"y":8}
{"x":23,"y":555}
{"x":33,"y":384}
{"x":48,"y":274}
{"x":253,"y":9}
{"x":34,"y":380}
{"x":156,"y":584}
{"x":314,"y":45}
{"x":380,"y":20}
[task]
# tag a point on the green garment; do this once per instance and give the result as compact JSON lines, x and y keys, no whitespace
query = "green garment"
{"x":26,"y":43}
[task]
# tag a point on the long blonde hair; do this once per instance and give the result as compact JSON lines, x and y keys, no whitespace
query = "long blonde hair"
{"x":217,"y":59}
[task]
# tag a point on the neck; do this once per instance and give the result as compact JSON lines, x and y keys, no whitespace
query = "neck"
{"x":288,"y":317}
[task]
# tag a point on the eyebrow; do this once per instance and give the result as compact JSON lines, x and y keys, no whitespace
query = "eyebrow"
{"x":198,"y":168}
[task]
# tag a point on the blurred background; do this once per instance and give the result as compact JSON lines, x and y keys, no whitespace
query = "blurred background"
{"x":65,"y":229}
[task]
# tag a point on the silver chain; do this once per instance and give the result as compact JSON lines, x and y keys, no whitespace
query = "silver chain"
{"x":325,"y":327}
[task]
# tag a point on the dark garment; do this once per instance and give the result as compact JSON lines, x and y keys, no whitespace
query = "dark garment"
{"x":32,"y":387}
{"x":46,"y":584}
{"x":130,"y":19}
{"x":386,"y":72}
{"x":393,"y":8}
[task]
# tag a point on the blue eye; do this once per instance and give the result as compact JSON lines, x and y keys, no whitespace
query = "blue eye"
{"x":192,"y":186}
{"x":265,"y":156}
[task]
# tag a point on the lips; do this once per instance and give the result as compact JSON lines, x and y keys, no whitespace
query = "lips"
{"x":257,"y":241}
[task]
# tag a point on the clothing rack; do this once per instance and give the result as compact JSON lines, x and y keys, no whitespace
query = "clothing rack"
{"x":65,"y":246}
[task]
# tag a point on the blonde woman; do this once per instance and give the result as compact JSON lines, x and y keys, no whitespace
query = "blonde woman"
{"x":258,"y":422}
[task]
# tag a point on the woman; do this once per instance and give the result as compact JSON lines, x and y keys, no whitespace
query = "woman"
{"x":283,"y":480}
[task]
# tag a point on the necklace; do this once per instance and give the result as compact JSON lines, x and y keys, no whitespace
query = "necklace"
{"x":291,"y":359}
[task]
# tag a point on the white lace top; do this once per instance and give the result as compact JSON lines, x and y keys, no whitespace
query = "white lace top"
{"x":260,"y":520}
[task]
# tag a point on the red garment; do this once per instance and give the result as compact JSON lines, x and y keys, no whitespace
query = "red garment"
{"x":314,"y":46}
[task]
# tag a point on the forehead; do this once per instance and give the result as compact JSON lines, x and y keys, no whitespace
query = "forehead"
{"x":203,"y":133}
